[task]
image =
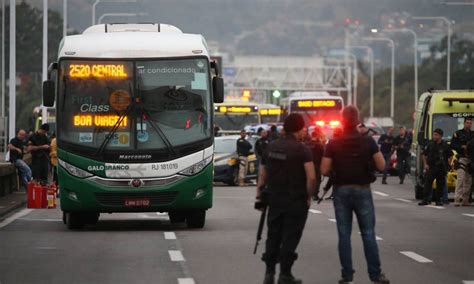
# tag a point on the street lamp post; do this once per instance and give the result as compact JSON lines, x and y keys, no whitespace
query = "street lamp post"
{"x":12,"y":73}
{"x":116,"y":15}
{"x":392,"y":75}
{"x":107,"y":1}
{"x":65,"y":18}
{"x":448,"y":52}
{"x":370,"y":52}
{"x":356,"y":74}
{"x":415,"y":47}
{"x":44,"y":113}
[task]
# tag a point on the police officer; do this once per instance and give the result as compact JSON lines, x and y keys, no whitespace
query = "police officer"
{"x":243,"y":151}
{"x":317,"y":148}
{"x":288,"y":171}
{"x":464,"y":179}
{"x":436,"y":156}
{"x":261,"y":144}
{"x":403,"y":143}
{"x":386,"y":143}
{"x":352,"y":159}
{"x":38,"y":145}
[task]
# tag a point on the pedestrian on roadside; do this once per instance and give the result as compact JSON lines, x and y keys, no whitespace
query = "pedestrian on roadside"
{"x":464,"y":179}
{"x":38,"y":145}
{"x":273,"y":135}
{"x":402,"y":144}
{"x":436,"y":160}
{"x":243,"y":151}
{"x":17,"y":147}
{"x":352,"y":159}
{"x":317,"y":149}
{"x":287,"y":170}
{"x":386,"y":143}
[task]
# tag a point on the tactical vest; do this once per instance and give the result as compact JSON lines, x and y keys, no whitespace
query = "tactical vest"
{"x":352,"y":161}
{"x":286,"y":174}
{"x":436,"y":157}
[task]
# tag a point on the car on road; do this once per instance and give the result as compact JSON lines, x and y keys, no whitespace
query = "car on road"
{"x":226,"y":160}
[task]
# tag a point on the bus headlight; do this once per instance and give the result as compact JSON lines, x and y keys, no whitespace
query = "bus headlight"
{"x":74,"y":171}
{"x":196,"y":168}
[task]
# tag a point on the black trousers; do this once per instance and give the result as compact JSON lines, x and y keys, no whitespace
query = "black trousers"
{"x":40,"y":169}
{"x":286,"y":221}
{"x":440,"y":176}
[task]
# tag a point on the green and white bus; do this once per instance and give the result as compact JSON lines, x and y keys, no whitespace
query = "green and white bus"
{"x":134,"y":108}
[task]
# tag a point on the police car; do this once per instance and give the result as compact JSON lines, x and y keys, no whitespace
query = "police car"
{"x":226,"y":160}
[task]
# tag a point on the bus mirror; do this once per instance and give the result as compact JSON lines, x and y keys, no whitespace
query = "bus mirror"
{"x":48,"y":93}
{"x":421,"y":138}
{"x":218,"y":89}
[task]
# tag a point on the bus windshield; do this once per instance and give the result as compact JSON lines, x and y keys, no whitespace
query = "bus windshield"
{"x":449,"y":123}
{"x":134,"y":105}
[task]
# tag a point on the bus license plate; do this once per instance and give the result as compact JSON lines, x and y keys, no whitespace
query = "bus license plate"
{"x":137,"y":202}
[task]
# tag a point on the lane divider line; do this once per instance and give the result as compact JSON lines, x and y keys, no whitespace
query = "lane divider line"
{"x":403,"y":200}
{"x":434,"y":206}
{"x":468,"y":215}
{"x":315,"y":211}
{"x":332,"y":220}
{"x":170,"y":236}
{"x":377,"y":238}
{"x":381,"y":193}
{"x":40,"y":220}
{"x":468,"y":282}
{"x":416,"y":257}
{"x":186,"y":281}
{"x":14,"y":217}
{"x":176,"y":255}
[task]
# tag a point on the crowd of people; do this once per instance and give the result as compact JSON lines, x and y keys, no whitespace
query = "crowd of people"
{"x":43,"y":152}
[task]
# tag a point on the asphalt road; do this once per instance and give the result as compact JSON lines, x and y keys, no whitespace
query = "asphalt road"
{"x":417,"y":245}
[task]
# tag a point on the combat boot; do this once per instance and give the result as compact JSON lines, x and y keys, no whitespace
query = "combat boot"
{"x":288,"y":279}
{"x":457,"y":202}
{"x":382,"y":279}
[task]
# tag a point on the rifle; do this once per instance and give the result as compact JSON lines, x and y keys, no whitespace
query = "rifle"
{"x":260,"y":205}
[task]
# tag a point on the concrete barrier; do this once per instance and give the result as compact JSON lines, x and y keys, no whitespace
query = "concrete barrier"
{"x":8,"y":178}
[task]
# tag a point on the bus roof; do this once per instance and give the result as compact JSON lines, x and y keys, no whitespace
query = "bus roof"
{"x":135,"y":42}
{"x":452,"y":102}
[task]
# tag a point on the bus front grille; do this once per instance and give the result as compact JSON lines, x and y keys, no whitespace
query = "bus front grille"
{"x":118,"y":199}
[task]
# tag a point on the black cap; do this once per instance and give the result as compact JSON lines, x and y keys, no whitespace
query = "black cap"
{"x":293,"y":123}
{"x":44,"y":127}
{"x":439,"y":131}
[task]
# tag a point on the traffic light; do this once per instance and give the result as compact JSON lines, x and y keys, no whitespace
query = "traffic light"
{"x":276,"y":94}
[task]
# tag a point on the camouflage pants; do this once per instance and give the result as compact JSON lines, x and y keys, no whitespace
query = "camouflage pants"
{"x":463,"y":182}
{"x":243,"y":163}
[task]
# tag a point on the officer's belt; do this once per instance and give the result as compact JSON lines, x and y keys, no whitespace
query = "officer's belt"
{"x":356,"y":186}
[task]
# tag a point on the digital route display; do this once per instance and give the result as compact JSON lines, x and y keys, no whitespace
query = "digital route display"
{"x":97,"y":71}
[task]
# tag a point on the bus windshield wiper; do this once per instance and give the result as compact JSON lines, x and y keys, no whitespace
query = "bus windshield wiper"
{"x":114,"y":129}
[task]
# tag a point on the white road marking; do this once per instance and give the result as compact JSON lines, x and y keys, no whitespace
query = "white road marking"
{"x":315,"y":211}
{"x":416,"y":256}
{"x":2,"y":206}
{"x":332,"y":220}
{"x":46,"y":248}
{"x":40,"y":220}
{"x":161,"y":214}
{"x":403,"y":200}
{"x":380,"y":193}
{"x":176,"y":255}
{"x":468,"y":282}
{"x":170,"y":236}
{"x":14,"y":217}
{"x":377,"y":238}
{"x":469,"y":215}
{"x":434,"y":206}
{"x":186,"y":281}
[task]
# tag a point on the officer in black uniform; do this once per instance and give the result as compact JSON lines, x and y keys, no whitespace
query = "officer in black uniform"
{"x":261,"y":144}
{"x":243,"y":151}
{"x":436,"y":158}
{"x":38,"y":145}
{"x":288,"y":171}
{"x":317,"y":149}
{"x":464,"y":179}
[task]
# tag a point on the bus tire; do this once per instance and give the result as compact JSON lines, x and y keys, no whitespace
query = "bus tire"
{"x":90,"y":218}
{"x":418,"y":192}
{"x":196,"y":219}
{"x":177,"y":217}
{"x":74,"y":221}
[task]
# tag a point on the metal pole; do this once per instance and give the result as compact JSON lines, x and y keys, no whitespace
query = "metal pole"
{"x":44,"y":115}
{"x":93,"y":11}
{"x":448,"y":52}
{"x":346,"y":62}
{"x":65,"y":18}
{"x":371,"y":82}
{"x":12,"y":75}
{"x":116,"y":15}
{"x":3,"y":58}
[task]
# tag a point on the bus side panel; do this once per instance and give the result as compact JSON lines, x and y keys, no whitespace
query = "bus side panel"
{"x":87,"y":193}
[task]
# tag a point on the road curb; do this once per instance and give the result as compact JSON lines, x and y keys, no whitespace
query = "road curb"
{"x":6,"y":211}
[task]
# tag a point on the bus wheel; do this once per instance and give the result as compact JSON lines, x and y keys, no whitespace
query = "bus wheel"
{"x":177,"y":217}
{"x":196,"y":219}
{"x":74,"y":221}
{"x":64,"y":218}
{"x":90,"y":218}
{"x":418,"y":192}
